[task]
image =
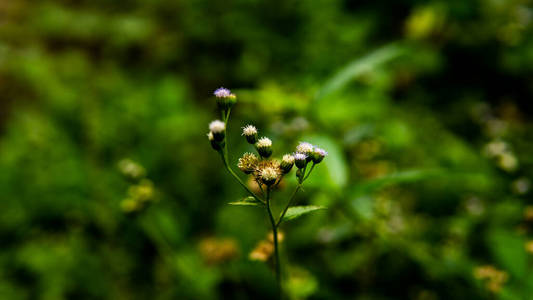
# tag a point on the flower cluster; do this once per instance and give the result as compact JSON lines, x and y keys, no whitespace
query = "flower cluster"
{"x":264,"y":170}
{"x":141,"y":192}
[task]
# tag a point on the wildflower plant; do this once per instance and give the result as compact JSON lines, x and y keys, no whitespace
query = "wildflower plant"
{"x":267,"y":172}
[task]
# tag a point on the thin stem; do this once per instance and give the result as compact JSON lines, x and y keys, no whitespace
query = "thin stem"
{"x":288,"y":204}
{"x":224,"y":159}
{"x":277,"y":266}
{"x":260,"y":187}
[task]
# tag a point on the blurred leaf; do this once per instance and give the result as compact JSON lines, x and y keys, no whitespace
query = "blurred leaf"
{"x":371,"y":185}
{"x":298,"y":211}
{"x":248,"y":201}
{"x":358,"y":67}
{"x":335,"y":162}
{"x":508,"y":249}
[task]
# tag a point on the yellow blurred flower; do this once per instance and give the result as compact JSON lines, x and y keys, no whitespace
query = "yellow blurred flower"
{"x":493,"y":277}
{"x":218,"y":250}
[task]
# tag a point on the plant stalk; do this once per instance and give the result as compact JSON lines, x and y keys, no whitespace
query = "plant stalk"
{"x":277,"y":266}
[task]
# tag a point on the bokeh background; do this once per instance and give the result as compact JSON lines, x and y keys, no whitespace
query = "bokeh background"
{"x":109,"y":188}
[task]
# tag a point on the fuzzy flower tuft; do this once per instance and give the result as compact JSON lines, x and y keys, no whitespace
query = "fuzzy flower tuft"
{"x":321,"y":152}
{"x":286,"y":163}
{"x":287,"y":158}
{"x":269,"y":175}
{"x":264,"y":147}
{"x":248,"y":162}
{"x":217,"y":126}
{"x":222,"y":92}
{"x":250,"y":133}
{"x":305,"y":148}
{"x":318,"y":155}
{"x":249,"y":130}
{"x":267,"y":170}
{"x":299,"y":156}
{"x":264,"y":142}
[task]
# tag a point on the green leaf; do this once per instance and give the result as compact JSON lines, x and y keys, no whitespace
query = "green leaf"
{"x":298,"y":211}
{"x":508,"y":249}
{"x":358,"y":67}
{"x":248,"y":201}
{"x":335,"y":163}
{"x":367,"y":187}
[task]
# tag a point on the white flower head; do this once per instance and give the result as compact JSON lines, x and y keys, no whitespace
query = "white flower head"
{"x":264,"y":142}
{"x":269,"y":174}
{"x":249,"y":130}
{"x":217,"y":126}
{"x":288,"y":159}
{"x":305,"y":148}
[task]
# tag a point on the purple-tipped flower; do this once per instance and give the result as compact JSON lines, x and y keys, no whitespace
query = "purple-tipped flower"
{"x":225,"y":99}
{"x":222,"y":93}
{"x":300,"y":160}
{"x":318,"y":155}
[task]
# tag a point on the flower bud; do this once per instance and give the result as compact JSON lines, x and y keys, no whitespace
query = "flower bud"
{"x":264,"y":147}
{"x":250,"y":133}
{"x":318,"y":155}
{"x":269,"y":175}
{"x":248,"y":162}
{"x":218,"y":129}
{"x":305,"y":148}
{"x":225,"y":99}
{"x":286,"y":163}
{"x":300,"y":160}
{"x":216,"y":145}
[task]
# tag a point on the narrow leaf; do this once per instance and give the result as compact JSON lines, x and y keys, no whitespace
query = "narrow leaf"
{"x":358,"y":67}
{"x":298,"y":211}
{"x":248,"y":201}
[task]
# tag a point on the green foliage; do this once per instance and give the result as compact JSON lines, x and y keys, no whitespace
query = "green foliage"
{"x":298,"y":211}
{"x":248,"y":201}
{"x":424,"y":108}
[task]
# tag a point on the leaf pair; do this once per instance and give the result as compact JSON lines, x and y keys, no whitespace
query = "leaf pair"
{"x":292,"y":213}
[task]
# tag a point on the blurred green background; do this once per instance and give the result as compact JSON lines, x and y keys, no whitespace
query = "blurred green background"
{"x":424,"y":107}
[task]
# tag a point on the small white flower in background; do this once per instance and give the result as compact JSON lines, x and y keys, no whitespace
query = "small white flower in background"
{"x":217,"y":126}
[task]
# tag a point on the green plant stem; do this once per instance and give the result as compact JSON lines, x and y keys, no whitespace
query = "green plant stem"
{"x":288,"y":204}
{"x":224,"y":155}
{"x":224,"y":160}
{"x":277,"y":266}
